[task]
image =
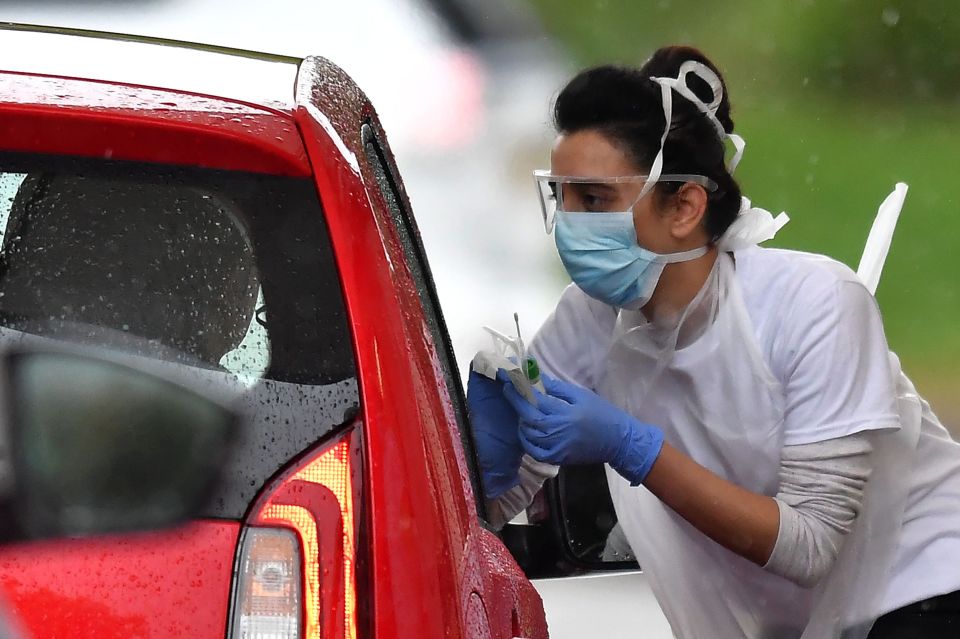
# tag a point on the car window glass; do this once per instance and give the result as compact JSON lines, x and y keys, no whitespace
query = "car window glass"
{"x":230,"y":275}
{"x":248,"y":360}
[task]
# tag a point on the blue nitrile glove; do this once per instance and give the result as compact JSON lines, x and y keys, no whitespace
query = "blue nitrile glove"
{"x":495,"y":433}
{"x":574,"y":425}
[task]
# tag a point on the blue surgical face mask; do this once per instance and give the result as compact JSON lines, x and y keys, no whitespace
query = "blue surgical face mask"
{"x":601,"y":254}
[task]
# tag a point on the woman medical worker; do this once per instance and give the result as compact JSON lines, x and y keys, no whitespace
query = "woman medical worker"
{"x":774,"y":472}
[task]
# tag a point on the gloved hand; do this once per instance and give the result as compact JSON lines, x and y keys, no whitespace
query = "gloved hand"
{"x":574,"y":425}
{"x":495,"y":434}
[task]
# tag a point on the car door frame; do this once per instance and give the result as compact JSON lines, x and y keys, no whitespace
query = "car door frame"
{"x":434,"y":563}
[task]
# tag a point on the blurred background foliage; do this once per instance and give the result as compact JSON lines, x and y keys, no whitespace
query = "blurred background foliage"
{"x":838,"y":100}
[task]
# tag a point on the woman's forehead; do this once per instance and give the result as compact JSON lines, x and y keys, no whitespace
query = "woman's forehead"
{"x":589,"y":153}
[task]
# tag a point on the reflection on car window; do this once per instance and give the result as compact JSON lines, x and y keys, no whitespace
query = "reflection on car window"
{"x":230,"y":274}
{"x":249,"y":359}
{"x":9,"y":185}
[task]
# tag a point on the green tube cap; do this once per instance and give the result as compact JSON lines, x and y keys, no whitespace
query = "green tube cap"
{"x":533,"y":369}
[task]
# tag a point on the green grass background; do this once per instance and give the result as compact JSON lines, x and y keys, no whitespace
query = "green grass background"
{"x":837,"y":101}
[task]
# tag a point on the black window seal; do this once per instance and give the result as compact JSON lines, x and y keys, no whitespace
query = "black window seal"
{"x":371,"y":134}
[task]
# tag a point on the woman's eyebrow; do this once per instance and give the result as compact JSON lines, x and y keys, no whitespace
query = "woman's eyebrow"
{"x":602,"y":186}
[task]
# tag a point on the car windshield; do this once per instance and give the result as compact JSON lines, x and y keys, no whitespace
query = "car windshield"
{"x":229,"y":273}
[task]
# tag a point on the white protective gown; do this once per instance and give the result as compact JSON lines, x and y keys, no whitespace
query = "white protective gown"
{"x":706,"y":383}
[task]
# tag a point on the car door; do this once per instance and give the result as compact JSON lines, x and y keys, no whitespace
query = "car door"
{"x":503,"y":596}
{"x":427,"y":519}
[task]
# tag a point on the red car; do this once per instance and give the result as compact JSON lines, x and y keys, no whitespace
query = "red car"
{"x":242,"y":213}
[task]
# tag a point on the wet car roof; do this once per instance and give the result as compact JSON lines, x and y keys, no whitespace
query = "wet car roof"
{"x":256,"y":79}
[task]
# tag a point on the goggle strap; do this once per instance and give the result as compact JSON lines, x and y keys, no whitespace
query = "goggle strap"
{"x":679,"y":84}
{"x":657,"y":166}
{"x":739,"y":144}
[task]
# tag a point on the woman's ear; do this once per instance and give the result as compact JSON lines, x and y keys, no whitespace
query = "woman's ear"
{"x":689,"y":206}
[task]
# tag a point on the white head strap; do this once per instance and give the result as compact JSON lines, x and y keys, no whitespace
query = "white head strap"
{"x":679,"y":84}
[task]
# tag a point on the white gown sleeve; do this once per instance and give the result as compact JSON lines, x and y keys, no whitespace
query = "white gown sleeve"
{"x":510,"y":504}
{"x":834,"y":359}
{"x":574,"y":338}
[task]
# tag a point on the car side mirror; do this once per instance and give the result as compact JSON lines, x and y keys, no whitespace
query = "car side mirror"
{"x":571,"y":529}
{"x":96,"y":445}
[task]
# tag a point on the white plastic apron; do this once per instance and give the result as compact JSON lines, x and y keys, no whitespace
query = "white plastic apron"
{"x":717,"y":401}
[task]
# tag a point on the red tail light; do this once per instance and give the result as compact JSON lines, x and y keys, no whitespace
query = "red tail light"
{"x":295,"y":568}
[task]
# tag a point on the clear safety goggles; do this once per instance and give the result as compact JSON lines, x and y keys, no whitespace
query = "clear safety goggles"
{"x":597,"y":194}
